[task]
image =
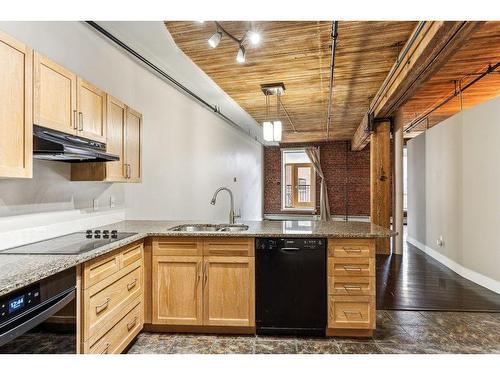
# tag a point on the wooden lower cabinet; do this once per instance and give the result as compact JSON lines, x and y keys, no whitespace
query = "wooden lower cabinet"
{"x":197,"y":290}
{"x":110,"y":300}
{"x":351,"y":287}
{"x":177,"y":290}
{"x":228,"y":291}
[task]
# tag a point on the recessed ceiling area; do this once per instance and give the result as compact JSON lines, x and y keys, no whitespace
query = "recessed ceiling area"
{"x":299,"y":54}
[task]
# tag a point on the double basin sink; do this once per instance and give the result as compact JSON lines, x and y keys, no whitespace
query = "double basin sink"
{"x":210,"y":228}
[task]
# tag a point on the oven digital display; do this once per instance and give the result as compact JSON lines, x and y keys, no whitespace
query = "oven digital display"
{"x":16,"y":304}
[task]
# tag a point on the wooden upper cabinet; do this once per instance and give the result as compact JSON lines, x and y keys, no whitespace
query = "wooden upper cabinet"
{"x":176,"y":290}
{"x":55,"y":104}
{"x":115,"y":170}
{"x":133,"y":146}
{"x":228,"y":291}
{"x":91,"y":104}
{"x":16,"y":121}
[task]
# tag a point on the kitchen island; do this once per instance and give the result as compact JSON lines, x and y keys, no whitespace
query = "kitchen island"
{"x":165,"y":279}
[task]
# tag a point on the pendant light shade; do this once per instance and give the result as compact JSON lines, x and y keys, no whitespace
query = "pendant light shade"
{"x":268,"y":130}
{"x":277,"y":131}
{"x":240,"y":57}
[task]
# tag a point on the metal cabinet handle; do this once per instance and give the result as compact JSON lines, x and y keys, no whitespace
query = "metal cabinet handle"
{"x":132,"y":324}
{"x":350,"y":268}
{"x":205,"y":274}
{"x":103,"y":306}
{"x":131,"y":285}
{"x":352,"y":287}
{"x":352,"y":312}
{"x":105,"y":351}
{"x":75,"y":119}
{"x":352,"y":249}
{"x":198,"y":271}
{"x":129,"y":171}
{"x":80,"y":116}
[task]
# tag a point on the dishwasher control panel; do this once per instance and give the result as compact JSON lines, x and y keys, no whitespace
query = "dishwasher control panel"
{"x":279,"y":243}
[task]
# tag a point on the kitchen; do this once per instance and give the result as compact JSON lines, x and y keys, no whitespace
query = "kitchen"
{"x":152,"y":202}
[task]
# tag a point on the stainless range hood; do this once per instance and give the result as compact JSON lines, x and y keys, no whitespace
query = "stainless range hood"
{"x":49,"y":144}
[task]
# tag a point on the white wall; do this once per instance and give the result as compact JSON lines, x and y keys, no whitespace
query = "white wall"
{"x":188,"y":150}
{"x":458,"y":163}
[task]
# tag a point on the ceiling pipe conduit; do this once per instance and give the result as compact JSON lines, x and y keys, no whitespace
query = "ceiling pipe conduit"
{"x":166,"y":77}
{"x":332,"y":68}
{"x":415,"y":122}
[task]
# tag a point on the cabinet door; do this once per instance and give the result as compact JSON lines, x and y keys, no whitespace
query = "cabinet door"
{"x":228,"y":291}
{"x":115,"y":139}
{"x":54,"y":95}
{"x":133,"y":150}
{"x":91,"y":103}
{"x":16,"y":121}
{"x":177,"y":290}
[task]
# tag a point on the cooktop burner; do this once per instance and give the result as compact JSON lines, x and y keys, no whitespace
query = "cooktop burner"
{"x":71,"y":244}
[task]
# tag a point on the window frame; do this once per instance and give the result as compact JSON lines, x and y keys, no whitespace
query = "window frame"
{"x":283,"y":184}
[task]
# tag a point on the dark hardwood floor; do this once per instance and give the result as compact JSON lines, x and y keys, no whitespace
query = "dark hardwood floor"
{"x":416,"y":281}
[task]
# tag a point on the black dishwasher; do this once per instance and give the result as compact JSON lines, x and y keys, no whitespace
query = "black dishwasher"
{"x":290,"y":278}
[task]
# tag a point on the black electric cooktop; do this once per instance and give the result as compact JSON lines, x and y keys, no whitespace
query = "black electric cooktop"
{"x":71,"y":244}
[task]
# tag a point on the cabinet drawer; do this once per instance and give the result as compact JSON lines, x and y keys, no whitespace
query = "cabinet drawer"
{"x":114,"y":340}
{"x":351,"y":266}
{"x":177,"y":246}
{"x":103,"y":303}
{"x":351,"y":285}
{"x":228,"y":247}
{"x":100,"y":268}
{"x":131,"y":254}
{"x":351,"y":248}
{"x":351,"y":312}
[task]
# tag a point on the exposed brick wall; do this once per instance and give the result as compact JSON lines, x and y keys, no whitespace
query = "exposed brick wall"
{"x":338,"y":162}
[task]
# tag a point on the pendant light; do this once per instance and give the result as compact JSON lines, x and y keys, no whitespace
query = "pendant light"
{"x":272,"y":130}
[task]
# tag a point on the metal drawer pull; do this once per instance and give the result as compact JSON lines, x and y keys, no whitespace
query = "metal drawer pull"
{"x":105,"y":351}
{"x":75,"y":119}
{"x":352,"y":287}
{"x":352,"y":249}
{"x":132,"y":324}
{"x":132,"y":284}
{"x":103,"y":306}
{"x":350,"y":268}
{"x":352,"y":312}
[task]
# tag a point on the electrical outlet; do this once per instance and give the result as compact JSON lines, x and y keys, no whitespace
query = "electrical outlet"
{"x":111,"y":201}
{"x":440,"y":241}
{"x":95,"y":204}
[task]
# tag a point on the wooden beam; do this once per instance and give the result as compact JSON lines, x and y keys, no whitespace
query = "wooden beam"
{"x":361,"y":136}
{"x":380,"y":181}
{"x":430,"y":46}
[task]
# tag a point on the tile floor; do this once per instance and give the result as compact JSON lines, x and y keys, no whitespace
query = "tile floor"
{"x":397,"y":332}
{"x":410,"y":332}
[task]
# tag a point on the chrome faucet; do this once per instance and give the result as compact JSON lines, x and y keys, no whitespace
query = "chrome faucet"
{"x":232,"y":215}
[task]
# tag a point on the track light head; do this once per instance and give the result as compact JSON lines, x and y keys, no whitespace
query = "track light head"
{"x":215,"y":39}
{"x":254,"y":37}
{"x":240,"y":57}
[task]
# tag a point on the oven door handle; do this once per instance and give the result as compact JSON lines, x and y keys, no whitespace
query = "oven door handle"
{"x":42,"y":313}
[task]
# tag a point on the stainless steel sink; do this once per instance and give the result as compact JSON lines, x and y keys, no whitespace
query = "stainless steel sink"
{"x":210,"y":228}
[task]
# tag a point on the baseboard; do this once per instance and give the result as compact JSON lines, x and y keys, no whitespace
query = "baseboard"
{"x":469,"y":274}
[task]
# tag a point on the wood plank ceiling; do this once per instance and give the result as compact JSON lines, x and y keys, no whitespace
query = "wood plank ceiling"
{"x":298,"y":54}
{"x":481,"y":50}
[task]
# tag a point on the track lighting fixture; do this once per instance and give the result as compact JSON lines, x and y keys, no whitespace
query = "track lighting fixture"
{"x":251,"y":36}
{"x":215,"y":39}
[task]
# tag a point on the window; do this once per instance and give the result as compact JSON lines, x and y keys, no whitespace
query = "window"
{"x":298,"y":181}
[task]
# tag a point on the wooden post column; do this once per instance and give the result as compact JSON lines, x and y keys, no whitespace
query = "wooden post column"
{"x":398,"y":209}
{"x":380,"y":181}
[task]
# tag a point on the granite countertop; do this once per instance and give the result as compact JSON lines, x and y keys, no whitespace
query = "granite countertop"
{"x":18,"y":270}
